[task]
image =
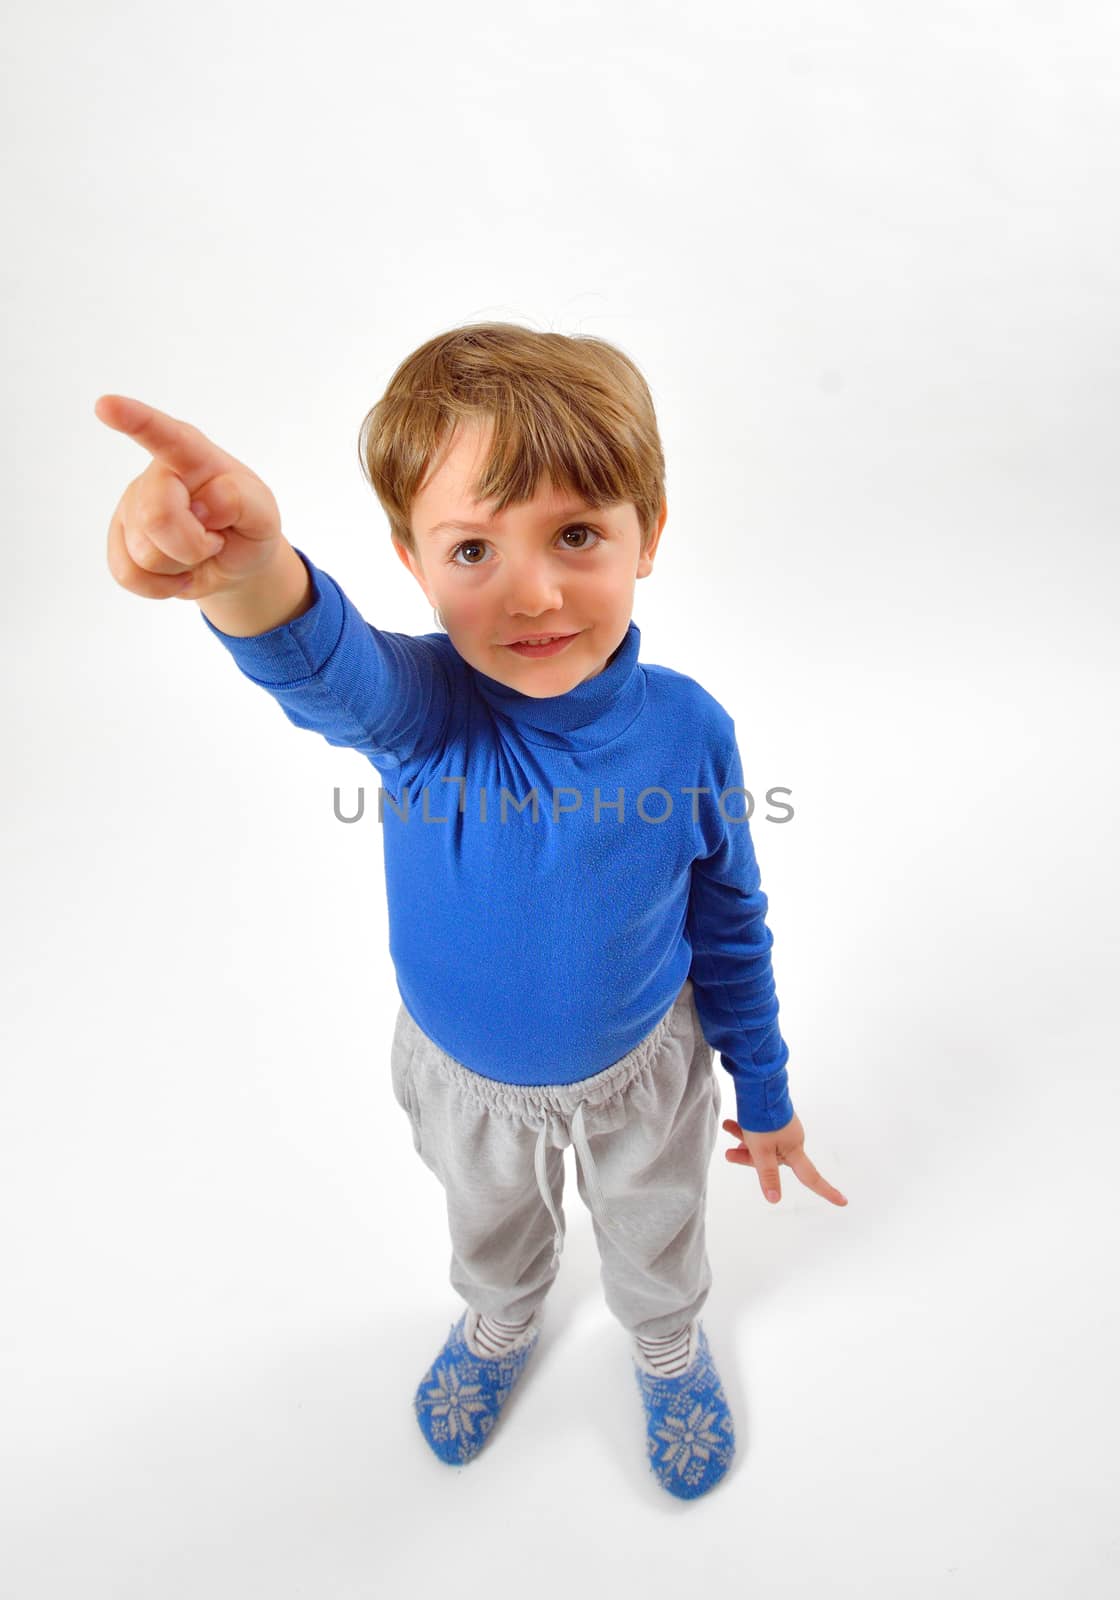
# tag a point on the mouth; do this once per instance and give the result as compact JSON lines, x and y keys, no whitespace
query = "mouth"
{"x":555,"y":643}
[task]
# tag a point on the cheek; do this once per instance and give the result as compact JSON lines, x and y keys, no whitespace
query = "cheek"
{"x":467,"y":610}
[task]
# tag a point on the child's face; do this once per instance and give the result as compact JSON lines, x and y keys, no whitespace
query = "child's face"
{"x":549,"y":566}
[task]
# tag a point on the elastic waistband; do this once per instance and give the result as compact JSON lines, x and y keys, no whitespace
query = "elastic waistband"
{"x":531,"y":1101}
{"x":556,"y":1110}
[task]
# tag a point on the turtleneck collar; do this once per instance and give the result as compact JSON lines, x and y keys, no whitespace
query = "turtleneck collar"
{"x":594,"y":712}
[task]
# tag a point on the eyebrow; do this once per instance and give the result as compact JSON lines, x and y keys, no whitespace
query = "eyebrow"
{"x":580,"y":506}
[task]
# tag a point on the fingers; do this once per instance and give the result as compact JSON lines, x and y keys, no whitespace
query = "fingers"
{"x":178,"y":445}
{"x":811,"y":1178}
{"x":160,"y":581}
{"x":737,"y":1153}
{"x":768,"y":1178}
{"x":767,"y":1157}
{"x":155,"y":541}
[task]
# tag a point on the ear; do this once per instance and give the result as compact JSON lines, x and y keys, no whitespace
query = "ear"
{"x":645,"y":560}
{"x":409,"y":560}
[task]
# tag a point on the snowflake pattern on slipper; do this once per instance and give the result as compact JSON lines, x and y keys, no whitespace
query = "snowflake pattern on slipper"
{"x":689,"y":1431}
{"x":461,"y":1396}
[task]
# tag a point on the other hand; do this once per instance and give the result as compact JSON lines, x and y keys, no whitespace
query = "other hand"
{"x":766,"y":1152}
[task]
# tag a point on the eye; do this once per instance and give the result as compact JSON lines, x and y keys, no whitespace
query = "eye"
{"x":466,"y":544}
{"x":477,"y":544}
{"x":579,"y":528}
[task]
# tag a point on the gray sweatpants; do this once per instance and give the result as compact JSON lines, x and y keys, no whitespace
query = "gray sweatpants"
{"x":643,"y":1129}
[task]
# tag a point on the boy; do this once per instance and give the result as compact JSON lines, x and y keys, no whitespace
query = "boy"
{"x":576,"y":921}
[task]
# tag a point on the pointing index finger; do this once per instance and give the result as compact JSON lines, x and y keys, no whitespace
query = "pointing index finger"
{"x":805,"y":1170}
{"x":187,"y":451}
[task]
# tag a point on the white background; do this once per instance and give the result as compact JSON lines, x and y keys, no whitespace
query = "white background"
{"x":866,"y":258}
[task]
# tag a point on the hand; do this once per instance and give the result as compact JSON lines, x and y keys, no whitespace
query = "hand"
{"x":766,"y":1152}
{"x":196,"y":522}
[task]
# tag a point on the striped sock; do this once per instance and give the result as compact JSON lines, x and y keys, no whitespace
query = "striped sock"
{"x":666,"y":1356}
{"x":493,"y":1337}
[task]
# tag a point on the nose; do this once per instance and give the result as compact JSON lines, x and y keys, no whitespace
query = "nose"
{"x":532,"y":589}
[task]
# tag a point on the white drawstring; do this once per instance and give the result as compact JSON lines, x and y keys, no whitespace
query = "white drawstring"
{"x":587,"y":1166}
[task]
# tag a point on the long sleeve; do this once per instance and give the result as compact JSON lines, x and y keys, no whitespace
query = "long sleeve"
{"x":383,"y":694}
{"x":731,"y":972}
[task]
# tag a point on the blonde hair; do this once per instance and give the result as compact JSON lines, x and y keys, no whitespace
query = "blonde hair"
{"x":573,"y":409}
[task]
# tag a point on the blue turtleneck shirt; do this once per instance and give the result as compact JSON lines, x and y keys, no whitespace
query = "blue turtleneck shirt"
{"x":555,"y":867}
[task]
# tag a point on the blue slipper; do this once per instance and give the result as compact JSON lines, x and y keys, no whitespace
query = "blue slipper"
{"x":690,"y":1434}
{"x":462,"y":1394}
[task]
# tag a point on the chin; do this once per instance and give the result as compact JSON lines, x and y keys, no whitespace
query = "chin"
{"x":538,"y":687}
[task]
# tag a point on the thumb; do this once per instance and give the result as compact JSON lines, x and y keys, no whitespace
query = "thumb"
{"x":237,"y":502}
{"x":217,"y":505}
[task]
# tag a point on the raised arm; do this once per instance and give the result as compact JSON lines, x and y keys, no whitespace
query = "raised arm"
{"x":197,"y":524}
